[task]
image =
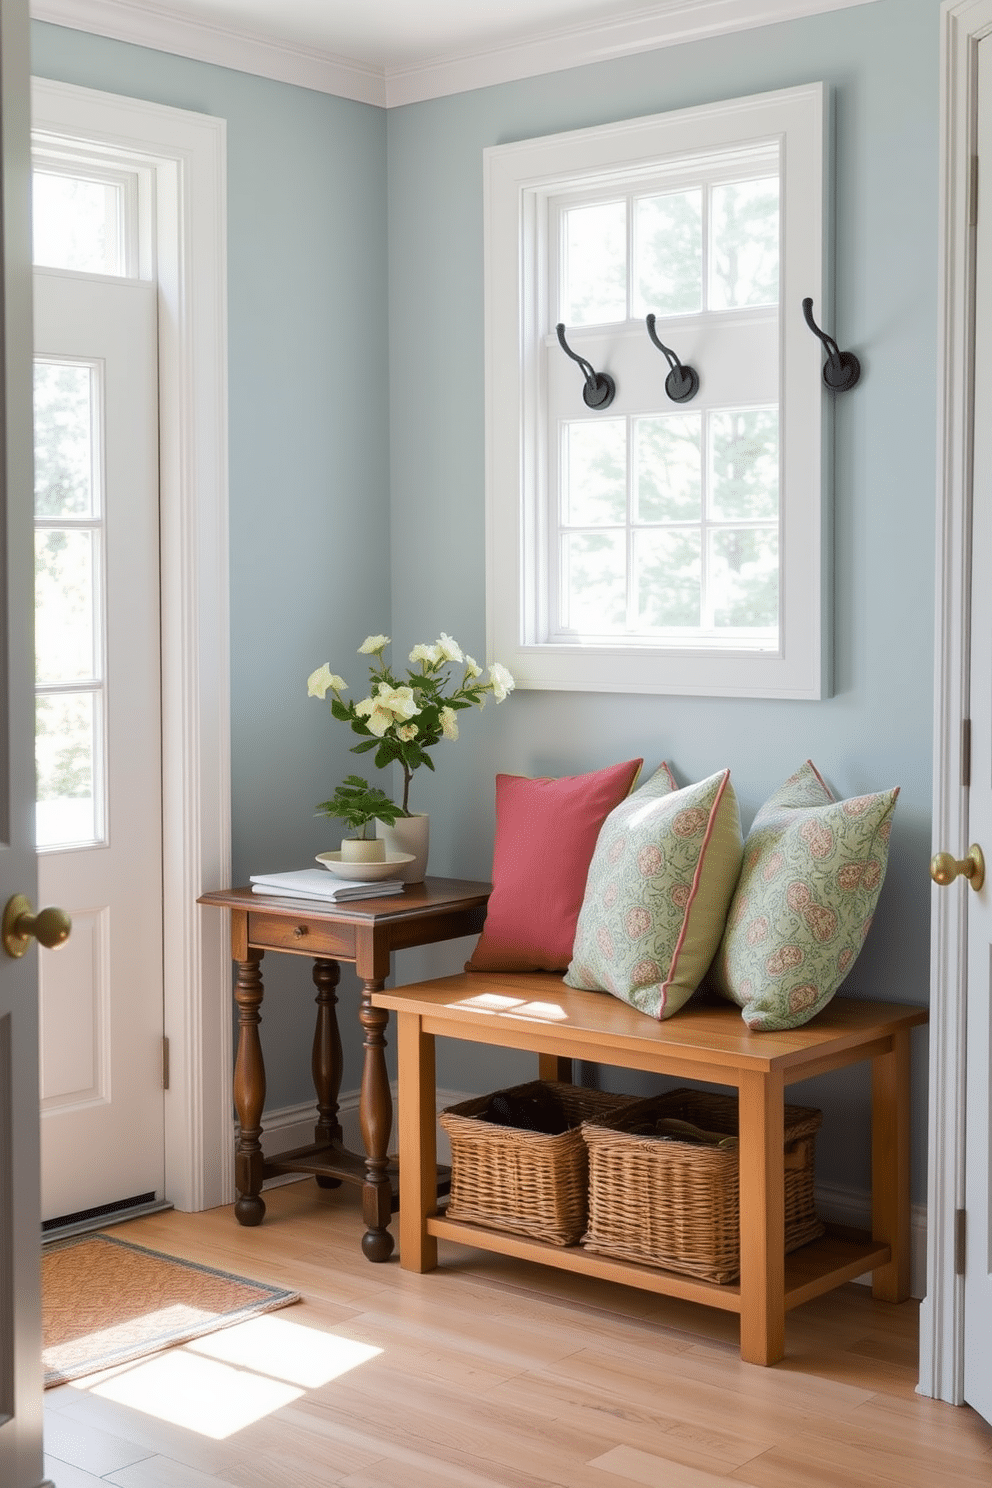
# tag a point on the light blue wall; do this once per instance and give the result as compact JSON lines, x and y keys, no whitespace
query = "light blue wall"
{"x":309,"y":458}
{"x":320,"y":189}
{"x":875,"y":732}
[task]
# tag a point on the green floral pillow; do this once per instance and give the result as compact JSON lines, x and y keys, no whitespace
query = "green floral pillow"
{"x":656,"y":898}
{"x":813,"y":868}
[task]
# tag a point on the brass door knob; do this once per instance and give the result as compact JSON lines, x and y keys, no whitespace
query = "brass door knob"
{"x":944,"y":868}
{"x":50,"y":927}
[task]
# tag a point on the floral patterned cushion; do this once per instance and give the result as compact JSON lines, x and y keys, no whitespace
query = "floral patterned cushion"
{"x":813,"y":868}
{"x":656,"y":898}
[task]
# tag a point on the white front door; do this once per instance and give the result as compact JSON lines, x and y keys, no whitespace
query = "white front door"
{"x":20,"y":1309}
{"x":99,"y":806}
{"x":978,"y":1190}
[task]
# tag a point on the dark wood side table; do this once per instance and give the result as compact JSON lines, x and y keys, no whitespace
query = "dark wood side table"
{"x":365,"y":932}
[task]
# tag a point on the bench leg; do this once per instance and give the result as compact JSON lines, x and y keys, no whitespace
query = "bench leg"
{"x":762,"y":1199}
{"x":418,"y":1143}
{"x":551,"y":1067}
{"x":890,"y":1207}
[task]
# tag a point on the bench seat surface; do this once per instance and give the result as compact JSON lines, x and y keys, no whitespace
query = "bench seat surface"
{"x":537,"y":1010}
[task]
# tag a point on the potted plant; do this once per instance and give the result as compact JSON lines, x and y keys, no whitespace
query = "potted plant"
{"x":359,"y":805}
{"x":405,"y":715}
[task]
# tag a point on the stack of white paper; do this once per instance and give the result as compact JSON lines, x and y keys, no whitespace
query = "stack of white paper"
{"x":318,"y":885}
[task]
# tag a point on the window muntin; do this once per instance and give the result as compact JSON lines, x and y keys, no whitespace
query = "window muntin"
{"x":712,"y":244}
{"x":646,"y":501}
{"x":669,"y":528}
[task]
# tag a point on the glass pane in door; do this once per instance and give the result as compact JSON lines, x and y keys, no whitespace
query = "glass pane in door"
{"x":66,"y":755}
{"x":65,"y":577}
{"x":64,"y":442}
{"x":69,"y":610}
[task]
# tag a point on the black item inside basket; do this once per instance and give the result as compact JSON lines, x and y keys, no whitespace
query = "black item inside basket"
{"x":538,"y":1110}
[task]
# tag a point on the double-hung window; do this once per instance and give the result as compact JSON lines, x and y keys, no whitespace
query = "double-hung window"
{"x":652,"y":543}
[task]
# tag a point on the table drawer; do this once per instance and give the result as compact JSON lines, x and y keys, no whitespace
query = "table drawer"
{"x":307,"y":937}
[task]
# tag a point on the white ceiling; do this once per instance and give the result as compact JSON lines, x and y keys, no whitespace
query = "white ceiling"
{"x":390,"y":52}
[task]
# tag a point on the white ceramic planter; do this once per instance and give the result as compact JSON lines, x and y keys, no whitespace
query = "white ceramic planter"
{"x":362,"y":849}
{"x":408,"y":834}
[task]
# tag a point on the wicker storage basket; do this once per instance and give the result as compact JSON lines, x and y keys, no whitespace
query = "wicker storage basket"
{"x":675,"y":1203}
{"x":524,"y":1181}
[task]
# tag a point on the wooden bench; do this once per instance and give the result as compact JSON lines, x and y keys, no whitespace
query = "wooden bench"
{"x":536,"y":1011}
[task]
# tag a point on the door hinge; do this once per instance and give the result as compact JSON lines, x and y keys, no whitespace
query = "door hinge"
{"x":973,"y":193}
{"x":165,"y":1064}
{"x":959,"y":1241}
{"x":965,"y":753}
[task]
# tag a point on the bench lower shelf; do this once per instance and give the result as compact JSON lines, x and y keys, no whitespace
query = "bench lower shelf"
{"x":841,"y":1255}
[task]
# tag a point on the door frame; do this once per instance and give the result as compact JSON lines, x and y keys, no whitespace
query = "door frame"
{"x":186,"y":153}
{"x":963,"y":23}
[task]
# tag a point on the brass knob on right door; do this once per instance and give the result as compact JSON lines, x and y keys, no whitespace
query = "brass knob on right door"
{"x":944,"y":868}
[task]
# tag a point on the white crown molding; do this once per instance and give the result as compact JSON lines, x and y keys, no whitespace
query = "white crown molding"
{"x":667,"y":23}
{"x":164,"y":30}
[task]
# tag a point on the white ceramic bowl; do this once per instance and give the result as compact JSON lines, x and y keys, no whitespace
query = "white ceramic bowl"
{"x":365,"y":872}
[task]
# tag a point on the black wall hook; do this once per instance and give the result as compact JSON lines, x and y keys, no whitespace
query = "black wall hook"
{"x":841,"y":370}
{"x":600,"y":389}
{"x":682,"y":383}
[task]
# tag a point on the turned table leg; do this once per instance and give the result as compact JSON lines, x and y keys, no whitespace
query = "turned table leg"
{"x":376,"y":1111}
{"x":326,"y":1062}
{"x":249,"y":1093}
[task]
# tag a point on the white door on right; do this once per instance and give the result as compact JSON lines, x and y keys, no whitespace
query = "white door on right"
{"x":978,"y":1206}
{"x":99,"y":737}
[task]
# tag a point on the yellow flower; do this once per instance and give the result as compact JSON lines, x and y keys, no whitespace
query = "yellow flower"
{"x":430,"y":655}
{"x":449,"y":648}
{"x":323,"y":678}
{"x":372,"y":645}
{"x":406,"y":731}
{"x":388,"y":706}
{"x":500,"y":681}
{"x":448,"y":720}
{"x":472,"y":667}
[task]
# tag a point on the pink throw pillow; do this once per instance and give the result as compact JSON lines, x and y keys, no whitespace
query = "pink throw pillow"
{"x":546,"y":833}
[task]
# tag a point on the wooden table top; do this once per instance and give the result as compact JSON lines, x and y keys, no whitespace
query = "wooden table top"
{"x":429,"y":897}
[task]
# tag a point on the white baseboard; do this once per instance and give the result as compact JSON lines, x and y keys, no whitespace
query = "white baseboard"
{"x":293,"y":1127}
{"x":852,"y":1206}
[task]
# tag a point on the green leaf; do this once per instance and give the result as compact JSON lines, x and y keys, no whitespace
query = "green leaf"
{"x":364,"y":747}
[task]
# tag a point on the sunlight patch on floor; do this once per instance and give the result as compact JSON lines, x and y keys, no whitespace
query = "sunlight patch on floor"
{"x":286,"y":1351}
{"x":218,"y":1385}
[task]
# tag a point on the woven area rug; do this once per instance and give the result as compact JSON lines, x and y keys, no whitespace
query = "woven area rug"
{"x":106,"y":1302}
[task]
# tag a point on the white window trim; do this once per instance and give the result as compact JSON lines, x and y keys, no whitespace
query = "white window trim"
{"x":519,"y":179}
{"x":186,"y":156}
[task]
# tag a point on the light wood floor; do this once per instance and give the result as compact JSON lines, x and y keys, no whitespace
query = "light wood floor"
{"x":492,"y":1372}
